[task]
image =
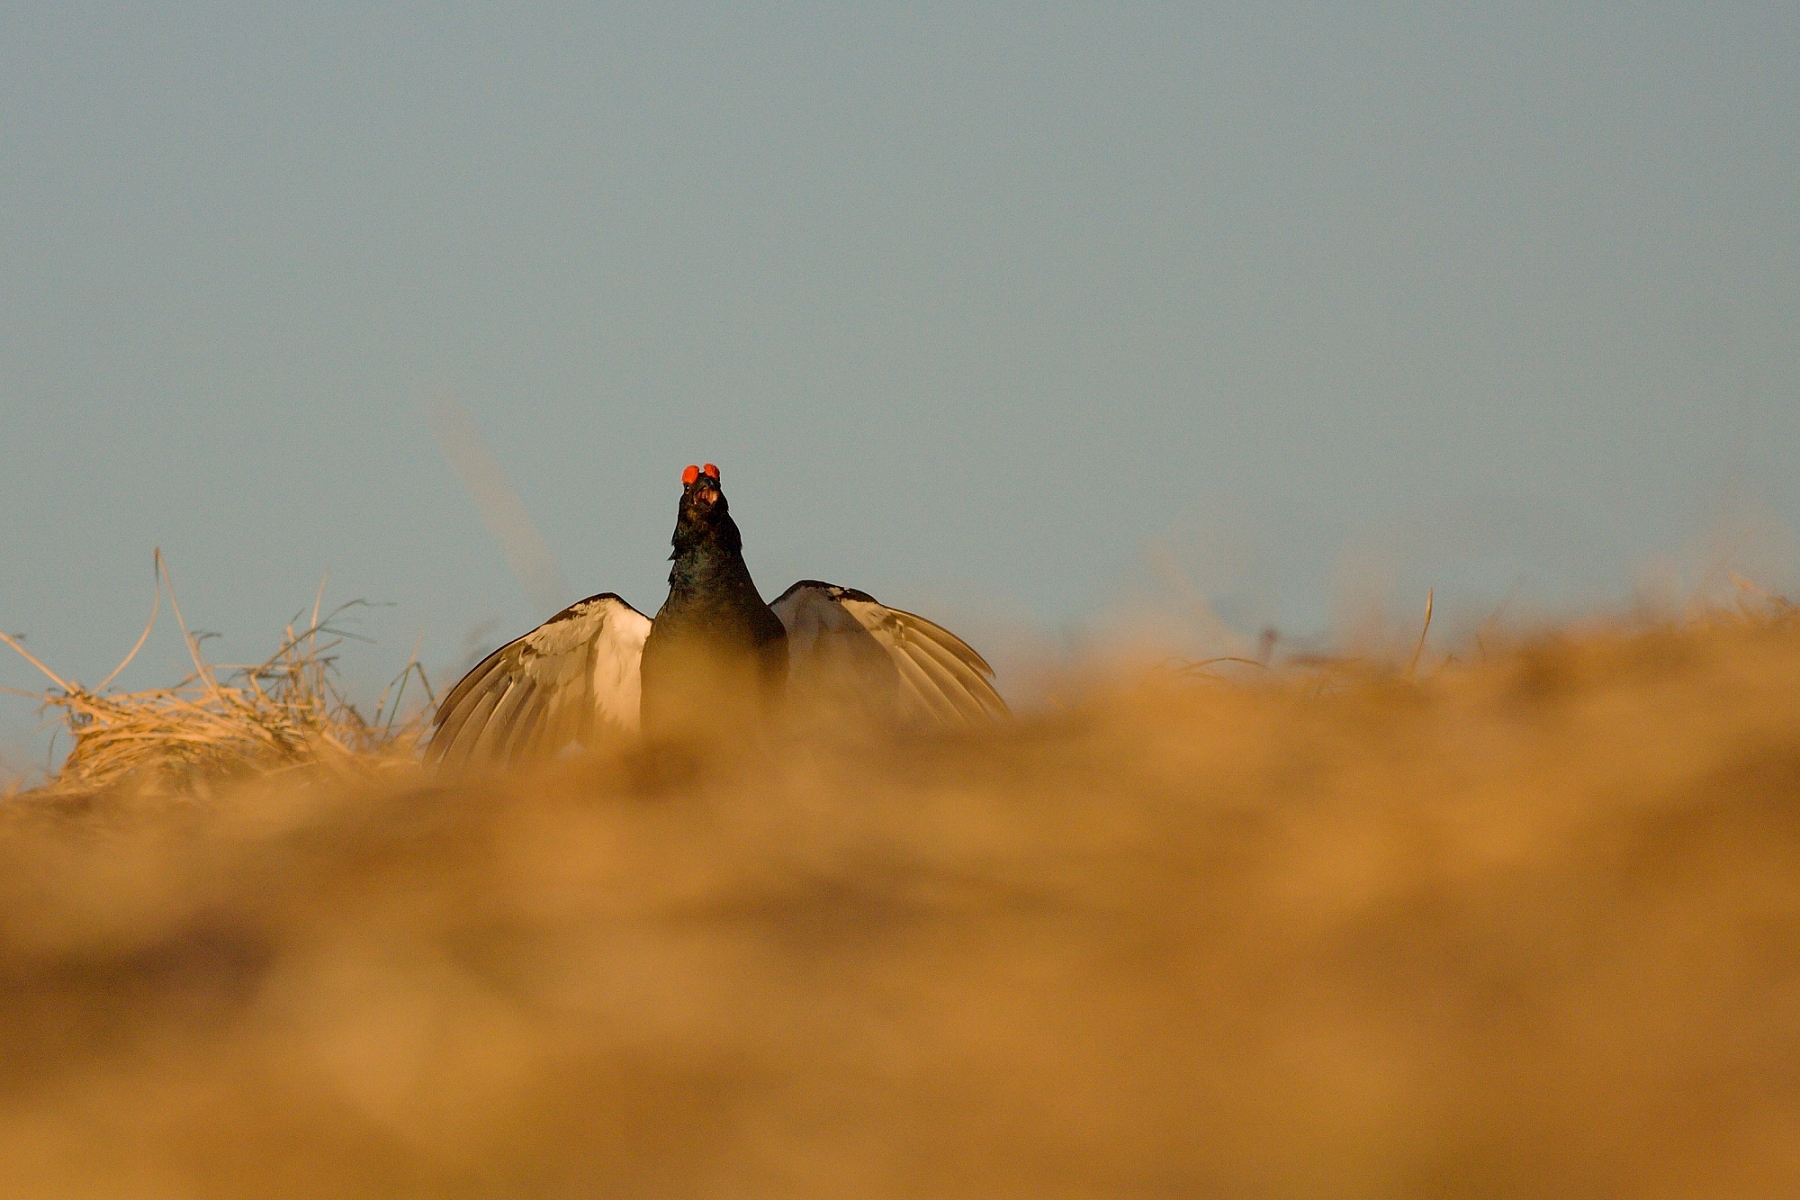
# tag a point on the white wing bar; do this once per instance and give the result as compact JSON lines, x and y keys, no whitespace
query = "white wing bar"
{"x":555,"y":685}
{"x":931,"y":674}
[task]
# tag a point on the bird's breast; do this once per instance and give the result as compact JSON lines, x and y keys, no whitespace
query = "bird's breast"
{"x":705,"y":673}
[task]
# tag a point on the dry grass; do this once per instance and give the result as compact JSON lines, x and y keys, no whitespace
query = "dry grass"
{"x":281,"y":713}
{"x":1528,"y":927}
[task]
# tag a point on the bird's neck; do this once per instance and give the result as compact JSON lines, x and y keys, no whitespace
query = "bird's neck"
{"x":708,"y":566}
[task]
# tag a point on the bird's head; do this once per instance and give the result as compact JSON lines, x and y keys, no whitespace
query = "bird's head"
{"x":704,"y":514}
{"x":700,"y":494}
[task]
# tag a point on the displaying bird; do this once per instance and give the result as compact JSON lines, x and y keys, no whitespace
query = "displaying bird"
{"x":714,"y":657}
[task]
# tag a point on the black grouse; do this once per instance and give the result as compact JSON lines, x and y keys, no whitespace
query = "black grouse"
{"x":715,"y":655}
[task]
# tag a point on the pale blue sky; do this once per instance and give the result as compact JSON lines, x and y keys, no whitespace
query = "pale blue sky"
{"x":982,"y":310}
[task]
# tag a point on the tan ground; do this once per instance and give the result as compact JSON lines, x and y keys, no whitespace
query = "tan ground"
{"x":1529,"y":928}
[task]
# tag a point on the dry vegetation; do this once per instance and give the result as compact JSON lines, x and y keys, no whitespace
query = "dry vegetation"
{"x":282,"y":713}
{"x":1524,"y":927}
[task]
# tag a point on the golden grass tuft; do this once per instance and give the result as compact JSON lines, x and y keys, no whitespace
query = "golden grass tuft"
{"x":281,"y":713}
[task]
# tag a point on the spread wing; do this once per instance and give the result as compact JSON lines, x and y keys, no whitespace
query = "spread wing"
{"x":847,"y":643}
{"x":557,"y":684}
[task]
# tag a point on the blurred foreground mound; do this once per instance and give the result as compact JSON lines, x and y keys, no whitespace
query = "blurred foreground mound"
{"x":1530,"y":928}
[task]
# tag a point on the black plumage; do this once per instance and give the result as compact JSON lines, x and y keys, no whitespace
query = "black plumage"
{"x":715,"y":652}
{"x":715,"y":658}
